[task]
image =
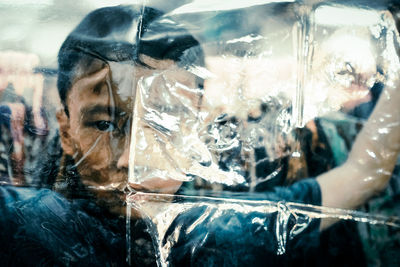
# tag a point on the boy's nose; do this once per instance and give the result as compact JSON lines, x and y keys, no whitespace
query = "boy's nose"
{"x":123,"y":161}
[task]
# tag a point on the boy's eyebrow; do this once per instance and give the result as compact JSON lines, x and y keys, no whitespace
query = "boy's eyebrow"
{"x":101,"y":109}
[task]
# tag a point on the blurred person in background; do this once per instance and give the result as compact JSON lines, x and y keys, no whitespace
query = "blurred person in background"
{"x":20,"y":122}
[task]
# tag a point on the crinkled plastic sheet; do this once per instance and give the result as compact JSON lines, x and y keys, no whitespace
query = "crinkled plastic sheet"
{"x":215,"y":161}
{"x":216,"y":231}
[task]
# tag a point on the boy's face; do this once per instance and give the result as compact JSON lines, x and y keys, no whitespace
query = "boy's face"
{"x":103,"y":107}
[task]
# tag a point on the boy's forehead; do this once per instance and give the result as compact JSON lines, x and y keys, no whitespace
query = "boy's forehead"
{"x":123,"y":78}
{"x":126,"y":75}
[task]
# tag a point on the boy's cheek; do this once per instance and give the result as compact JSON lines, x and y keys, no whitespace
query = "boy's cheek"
{"x":101,"y":156}
{"x":95,"y":149}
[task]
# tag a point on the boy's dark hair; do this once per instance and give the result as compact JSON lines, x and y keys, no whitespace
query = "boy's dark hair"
{"x":123,"y":33}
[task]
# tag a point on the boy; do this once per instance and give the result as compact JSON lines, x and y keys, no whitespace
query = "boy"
{"x":112,"y":54}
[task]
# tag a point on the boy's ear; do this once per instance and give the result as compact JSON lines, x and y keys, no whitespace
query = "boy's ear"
{"x":66,"y":142}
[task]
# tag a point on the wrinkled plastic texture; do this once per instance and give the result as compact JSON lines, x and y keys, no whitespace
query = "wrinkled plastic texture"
{"x":201,"y":133}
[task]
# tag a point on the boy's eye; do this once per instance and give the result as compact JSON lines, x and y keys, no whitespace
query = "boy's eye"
{"x":105,"y":126}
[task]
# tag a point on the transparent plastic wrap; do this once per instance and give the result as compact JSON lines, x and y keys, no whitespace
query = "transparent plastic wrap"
{"x":200,"y":133}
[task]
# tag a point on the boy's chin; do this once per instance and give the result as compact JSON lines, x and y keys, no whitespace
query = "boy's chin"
{"x":109,"y":185}
{"x":156,"y":185}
